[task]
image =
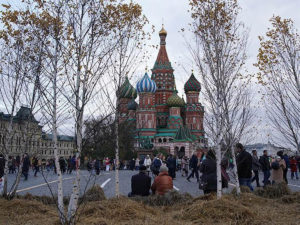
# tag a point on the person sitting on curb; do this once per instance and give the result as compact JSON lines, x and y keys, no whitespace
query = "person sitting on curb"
{"x":163,"y":182}
{"x":140,"y":183}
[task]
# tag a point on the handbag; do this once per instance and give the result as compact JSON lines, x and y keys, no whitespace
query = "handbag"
{"x":202,"y":184}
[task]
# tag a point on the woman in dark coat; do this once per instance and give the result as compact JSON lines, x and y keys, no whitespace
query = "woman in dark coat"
{"x":209,"y":173}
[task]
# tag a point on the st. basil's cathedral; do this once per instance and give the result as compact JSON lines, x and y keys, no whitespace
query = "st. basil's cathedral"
{"x":162,"y":119}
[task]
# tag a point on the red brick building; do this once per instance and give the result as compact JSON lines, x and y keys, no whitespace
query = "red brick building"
{"x":162,"y":118}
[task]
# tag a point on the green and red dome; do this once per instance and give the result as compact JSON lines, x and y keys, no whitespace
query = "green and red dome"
{"x":127,"y":90}
{"x":175,"y":101}
{"x":192,"y":84}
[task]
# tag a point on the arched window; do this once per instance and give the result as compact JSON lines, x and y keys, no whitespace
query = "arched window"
{"x":165,"y":139}
{"x":159,"y":140}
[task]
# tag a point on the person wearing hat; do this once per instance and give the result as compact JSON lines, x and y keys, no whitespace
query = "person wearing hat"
{"x":163,"y":182}
{"x":140,"y":183}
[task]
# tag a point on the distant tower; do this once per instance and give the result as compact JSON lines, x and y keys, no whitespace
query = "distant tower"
{"x":175,"y":103}
{"x":127,"y":93}
{"x":146,"y":112}
{"x":162,"y":74}
{"x":194,"y":110}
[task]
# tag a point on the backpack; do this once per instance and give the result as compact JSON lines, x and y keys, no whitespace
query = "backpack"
{"x":275,"y":165}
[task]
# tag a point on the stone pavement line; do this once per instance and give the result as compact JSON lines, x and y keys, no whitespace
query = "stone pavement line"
{"x":39,"y":185}
{"x":105,"y":182}
{"x":176,"y":188}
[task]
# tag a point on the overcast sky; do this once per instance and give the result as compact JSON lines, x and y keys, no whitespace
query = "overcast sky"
{"x":255,"y":14}
{"x":174,"y":14}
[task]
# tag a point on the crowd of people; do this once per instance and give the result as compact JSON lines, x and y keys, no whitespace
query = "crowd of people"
{"x":163,"y":169}
{"x":275,"y":170}
{"x":25,"y":163}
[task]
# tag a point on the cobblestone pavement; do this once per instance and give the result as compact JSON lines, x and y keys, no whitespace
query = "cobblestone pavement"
{"x":38,"y":185}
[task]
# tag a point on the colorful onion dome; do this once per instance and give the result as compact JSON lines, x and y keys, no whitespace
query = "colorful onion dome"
{"x":146,"y":85}
{"x":192,"y":84}
{"x":163,"y":31}
{"x":127,"y":90}
{"x":132,"y":105}
{"x":175,"y":101}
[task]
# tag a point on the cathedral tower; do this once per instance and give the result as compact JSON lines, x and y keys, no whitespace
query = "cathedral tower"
{"x":162,"y":74}
{"x":194,"y":110}
{"x":146,"y":112}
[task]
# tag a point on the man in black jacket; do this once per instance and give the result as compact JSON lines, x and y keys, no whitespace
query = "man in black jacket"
{"x":2,"y":165}
{"x":265,"y":166}
{"x":244,"y":166}
{"x":140,"y":183}
{"x":194,"y":166}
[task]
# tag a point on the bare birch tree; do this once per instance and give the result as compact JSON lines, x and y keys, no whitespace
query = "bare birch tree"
{"x":279,"y":65}
{"x":218,"y":50}
{"x":125,"y":61}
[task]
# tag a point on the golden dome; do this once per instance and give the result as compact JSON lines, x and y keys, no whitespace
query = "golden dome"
{"x":162,"y":31}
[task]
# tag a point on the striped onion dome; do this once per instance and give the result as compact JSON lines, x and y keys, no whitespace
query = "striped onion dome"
{"x":146,"y":85}
{"x":192,"y":84}
{"x":127,"y":90}
{"x":175,"y":101}
{"x":132,"y":105}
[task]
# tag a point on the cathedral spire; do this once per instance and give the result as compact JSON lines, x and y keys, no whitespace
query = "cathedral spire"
{"x":162,"y":60}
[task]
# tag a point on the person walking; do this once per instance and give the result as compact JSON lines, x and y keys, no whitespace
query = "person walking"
{"x":265,"y":166}
{"x":278,"y":166}
{"x":107,"y":164}
{"x":137,"y":164}
{"x":156,"y":165}
{"x":26,"y":166}
{"x":244,"y":166}
{"x":140,"y":183}
{"x":255,"y":167}
{"x":2,"y":165}
{"x":287,"y":163}
{"x":163,"y":182}
{"x":208,"y":169}
{"x":171,"y":164}
{"x":184,"y":166}
{"x":293,"y":164}
{"x":194,"y":167}
{"x":35,"y":163}
{"x":147,"y":163}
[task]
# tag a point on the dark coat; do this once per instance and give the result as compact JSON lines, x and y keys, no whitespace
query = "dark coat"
{"x":265,"y":163}
{"x":140,"y":184}
{"x":208,"y":169}
{"x":2,"y":165}
{"x":171,"y":163}
{"x":255,"y":163}
{"x":26,"y":164}
{"x":194,"y":162}
{"x":244,"y":165}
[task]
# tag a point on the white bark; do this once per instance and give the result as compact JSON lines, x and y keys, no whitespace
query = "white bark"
{"x":235,"y":173}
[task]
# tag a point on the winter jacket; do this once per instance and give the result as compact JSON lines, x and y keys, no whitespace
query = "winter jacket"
{"x":265,"y":163}
{"x":277,"y":175}
{"x":244,"y":165}
{"x":26,"y":164}
{"x":287,"y":161}
{"x":209,"y":174}
{"x":147,"y":163}
{"x":194,"y":162}
{"x":162,"y":183}
{"x":255,"y":163}
{"x":2,"y":165}
{"x":171,"y":163}
{"x":140,"y":184}
{"x":293,"y":164}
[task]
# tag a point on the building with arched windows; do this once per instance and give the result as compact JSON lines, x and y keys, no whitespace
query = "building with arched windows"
{"x":163,"y":120}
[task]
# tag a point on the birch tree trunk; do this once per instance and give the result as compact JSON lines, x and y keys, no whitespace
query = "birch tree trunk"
{"x":117,"y":149}
{"x":235,"y":173}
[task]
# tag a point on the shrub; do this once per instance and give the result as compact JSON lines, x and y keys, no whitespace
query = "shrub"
{"x":169,"y":199}
{"x":273,"y":191}
{"x":95,"y":193}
